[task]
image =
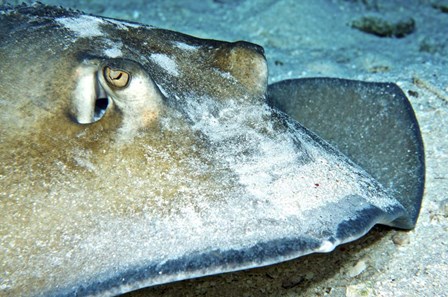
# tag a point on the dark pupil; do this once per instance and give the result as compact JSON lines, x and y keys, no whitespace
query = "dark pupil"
{"x":118,"y":76}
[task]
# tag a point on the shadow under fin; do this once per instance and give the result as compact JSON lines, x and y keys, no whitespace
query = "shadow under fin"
{"x":372,"y":123}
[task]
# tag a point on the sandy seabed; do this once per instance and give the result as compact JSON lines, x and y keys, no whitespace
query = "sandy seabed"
{"x":312,"y":38}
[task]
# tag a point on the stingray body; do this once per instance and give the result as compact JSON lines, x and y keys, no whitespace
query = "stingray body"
{"x":134,"y":156}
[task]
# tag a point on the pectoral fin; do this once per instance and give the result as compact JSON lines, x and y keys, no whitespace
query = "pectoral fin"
{"x":372,"y":123}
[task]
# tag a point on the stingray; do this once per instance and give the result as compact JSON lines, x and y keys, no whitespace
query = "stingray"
{"x":134,"y":156}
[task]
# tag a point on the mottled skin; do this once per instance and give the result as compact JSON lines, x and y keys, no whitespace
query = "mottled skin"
{"x":43,"y":147}
{"x":50,"y":78}
{"x":186,"y":147}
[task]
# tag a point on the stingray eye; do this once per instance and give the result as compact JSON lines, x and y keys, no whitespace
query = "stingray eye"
{"x":116,"y":78}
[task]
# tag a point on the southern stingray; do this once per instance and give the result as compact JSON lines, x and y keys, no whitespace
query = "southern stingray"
{"x":134,"y":156}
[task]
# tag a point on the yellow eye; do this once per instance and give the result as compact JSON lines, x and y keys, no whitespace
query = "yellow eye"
{"x":116,"y":78}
